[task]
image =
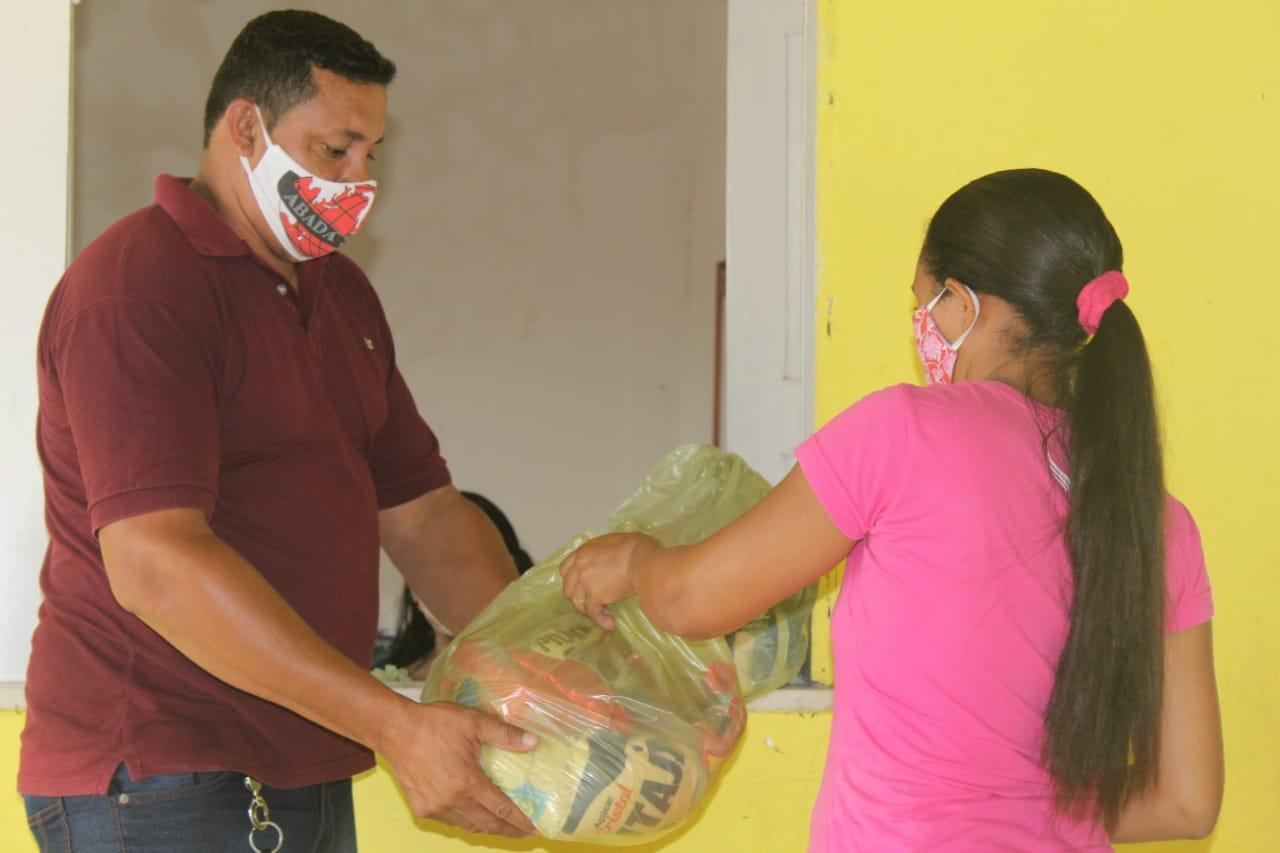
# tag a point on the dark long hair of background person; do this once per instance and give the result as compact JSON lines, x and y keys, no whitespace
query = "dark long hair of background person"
{"x":1035,"y":238}
{"x":415,"y":637}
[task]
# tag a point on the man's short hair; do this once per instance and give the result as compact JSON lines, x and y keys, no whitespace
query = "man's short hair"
{"x":270,"y":63}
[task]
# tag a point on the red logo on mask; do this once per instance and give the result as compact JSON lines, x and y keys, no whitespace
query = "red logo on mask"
{"x":321,"y":225}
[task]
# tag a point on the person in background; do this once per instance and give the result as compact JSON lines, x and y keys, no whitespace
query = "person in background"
{"x":419,"y":635}
{"x":227,"y":441}
{"x":1022,"y":639}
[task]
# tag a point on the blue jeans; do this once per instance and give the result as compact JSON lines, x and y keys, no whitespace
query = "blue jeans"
{"x":192,"y":813}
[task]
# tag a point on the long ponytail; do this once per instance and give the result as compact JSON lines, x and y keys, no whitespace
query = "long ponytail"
{"x":1105,"y":705}
{"x":1034,"y":239}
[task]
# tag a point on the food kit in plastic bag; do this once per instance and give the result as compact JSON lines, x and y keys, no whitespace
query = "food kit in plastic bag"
{"x":634,"y":723}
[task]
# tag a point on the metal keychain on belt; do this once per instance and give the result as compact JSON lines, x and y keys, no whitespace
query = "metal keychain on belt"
{"x":260,"y":816}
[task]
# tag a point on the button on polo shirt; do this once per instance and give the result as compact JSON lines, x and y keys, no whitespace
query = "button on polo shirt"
{"x":176,"y":370}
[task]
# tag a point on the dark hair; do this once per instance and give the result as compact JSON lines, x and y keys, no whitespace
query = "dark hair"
{"x":415,"y":637}
{"x":270,"y":63}
{"x":1034,"y":238}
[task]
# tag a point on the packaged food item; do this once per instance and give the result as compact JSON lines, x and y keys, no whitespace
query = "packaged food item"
{"x":633,"y":723}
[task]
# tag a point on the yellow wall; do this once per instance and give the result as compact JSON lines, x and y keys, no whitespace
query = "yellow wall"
{"x":1168,"y":113}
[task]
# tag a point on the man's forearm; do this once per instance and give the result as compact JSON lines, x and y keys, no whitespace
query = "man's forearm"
{"x":215,"y":608}
{"x":451,"y":555}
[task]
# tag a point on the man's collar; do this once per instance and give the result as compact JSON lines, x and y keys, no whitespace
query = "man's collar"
{"x":206,"y":231}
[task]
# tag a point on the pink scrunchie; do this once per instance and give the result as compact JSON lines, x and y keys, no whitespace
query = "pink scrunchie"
{"x":1098,"y":295}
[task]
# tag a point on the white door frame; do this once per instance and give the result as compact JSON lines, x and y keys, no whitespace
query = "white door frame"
{"x":35,"y":139}
{"x":770,"y":236}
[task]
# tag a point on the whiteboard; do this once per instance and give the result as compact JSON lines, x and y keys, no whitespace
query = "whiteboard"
{"x":35,"y":138}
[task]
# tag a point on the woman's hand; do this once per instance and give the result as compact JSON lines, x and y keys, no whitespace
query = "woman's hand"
{"x":599,"y":573}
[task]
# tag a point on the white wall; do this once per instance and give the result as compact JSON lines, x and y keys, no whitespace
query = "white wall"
{"x":33,"y":146}
{"x":546,"y":241}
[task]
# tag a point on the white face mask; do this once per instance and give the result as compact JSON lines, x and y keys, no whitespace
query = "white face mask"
{"x":309,"y":216}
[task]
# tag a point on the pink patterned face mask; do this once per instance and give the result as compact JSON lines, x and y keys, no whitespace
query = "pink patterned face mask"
{"x":937,"y":354}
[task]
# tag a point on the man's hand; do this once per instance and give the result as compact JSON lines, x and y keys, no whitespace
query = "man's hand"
{"x":434,"y":750}
{"x":599,"y":573}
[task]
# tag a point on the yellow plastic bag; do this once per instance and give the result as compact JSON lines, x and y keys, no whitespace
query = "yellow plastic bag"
{"x":634,"y":723}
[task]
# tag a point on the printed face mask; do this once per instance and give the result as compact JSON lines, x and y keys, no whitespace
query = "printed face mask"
{"x":309,"y":216}
{"x":937,"y":354}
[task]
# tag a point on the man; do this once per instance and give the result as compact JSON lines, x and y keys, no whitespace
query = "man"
{"x":226,"y":443}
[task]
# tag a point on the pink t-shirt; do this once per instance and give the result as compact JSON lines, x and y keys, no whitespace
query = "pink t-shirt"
{"x":950,"y":622}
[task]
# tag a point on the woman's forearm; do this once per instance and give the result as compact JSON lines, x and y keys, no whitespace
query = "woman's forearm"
{"x":1153,"y":817}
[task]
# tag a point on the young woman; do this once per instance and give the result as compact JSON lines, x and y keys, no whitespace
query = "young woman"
{"x":1022,"y":640}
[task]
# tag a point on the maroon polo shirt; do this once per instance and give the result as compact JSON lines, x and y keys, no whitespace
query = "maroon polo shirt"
{"x":177,"y":370}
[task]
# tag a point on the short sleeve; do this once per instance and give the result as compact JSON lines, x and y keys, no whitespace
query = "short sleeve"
{"x":1190,"y":598}
{"x":855,"y":464}
{"x":406,"y":461}
{"x":139,"y":384}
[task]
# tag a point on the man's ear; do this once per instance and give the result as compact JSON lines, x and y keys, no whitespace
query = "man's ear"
{"x":243,"y":127}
